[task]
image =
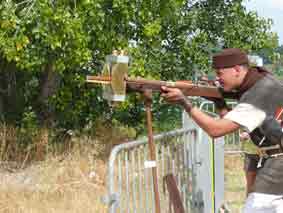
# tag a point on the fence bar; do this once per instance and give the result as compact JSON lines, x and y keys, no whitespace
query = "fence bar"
{"x":140,"y":187}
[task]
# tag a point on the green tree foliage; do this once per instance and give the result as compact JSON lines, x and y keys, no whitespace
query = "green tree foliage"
{"x":277,"y":62}
{"x":47,"y":47}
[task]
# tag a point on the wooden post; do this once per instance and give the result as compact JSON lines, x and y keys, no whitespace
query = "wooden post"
{"x":148,"y":104}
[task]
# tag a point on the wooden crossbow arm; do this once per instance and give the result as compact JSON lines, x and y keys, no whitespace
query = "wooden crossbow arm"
{"x":187,"y":87}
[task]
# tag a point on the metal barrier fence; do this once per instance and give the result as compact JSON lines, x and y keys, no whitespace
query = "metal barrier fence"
{"x":130,"y":185}
{"x":234,"y":181}
{"x":129,"y":178}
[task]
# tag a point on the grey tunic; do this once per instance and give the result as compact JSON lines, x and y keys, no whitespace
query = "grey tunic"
{"x":266,"y":95}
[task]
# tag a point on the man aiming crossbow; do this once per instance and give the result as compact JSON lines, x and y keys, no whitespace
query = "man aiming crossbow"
{"x":259,"y":95}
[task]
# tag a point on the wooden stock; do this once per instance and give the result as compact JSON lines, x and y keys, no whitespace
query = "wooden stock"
{"x":187,"y":87}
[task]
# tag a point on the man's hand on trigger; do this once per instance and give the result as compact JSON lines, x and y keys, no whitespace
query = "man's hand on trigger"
{"x":173,"y":95}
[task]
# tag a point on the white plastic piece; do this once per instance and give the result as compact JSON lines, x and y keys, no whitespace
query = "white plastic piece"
{"x":149,"y":164}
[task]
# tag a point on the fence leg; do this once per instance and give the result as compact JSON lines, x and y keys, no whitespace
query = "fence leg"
{"x":148,"y":103}
{"x":174,"y":194}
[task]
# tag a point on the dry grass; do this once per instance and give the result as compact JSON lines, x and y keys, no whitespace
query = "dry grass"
{"x":73,"y":183}
{"x":41,"y":177}
{"x":70,"y":176}
{"x":37,"y":175}
{"x":234,"y":182}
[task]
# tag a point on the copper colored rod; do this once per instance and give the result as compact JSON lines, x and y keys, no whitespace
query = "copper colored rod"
{"x":148,"y":103}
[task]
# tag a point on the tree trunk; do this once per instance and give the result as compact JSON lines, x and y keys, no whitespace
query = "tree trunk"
{"x":1,"y":107}
{"x":49,"y":83}
{"x":3,"y":82}
{"x":11,"y":87}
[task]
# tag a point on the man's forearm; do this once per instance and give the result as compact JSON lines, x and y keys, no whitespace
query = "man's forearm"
{"x":213,"y":127}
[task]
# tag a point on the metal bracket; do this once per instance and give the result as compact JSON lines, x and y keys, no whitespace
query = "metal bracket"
{"x":110,"y":199}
